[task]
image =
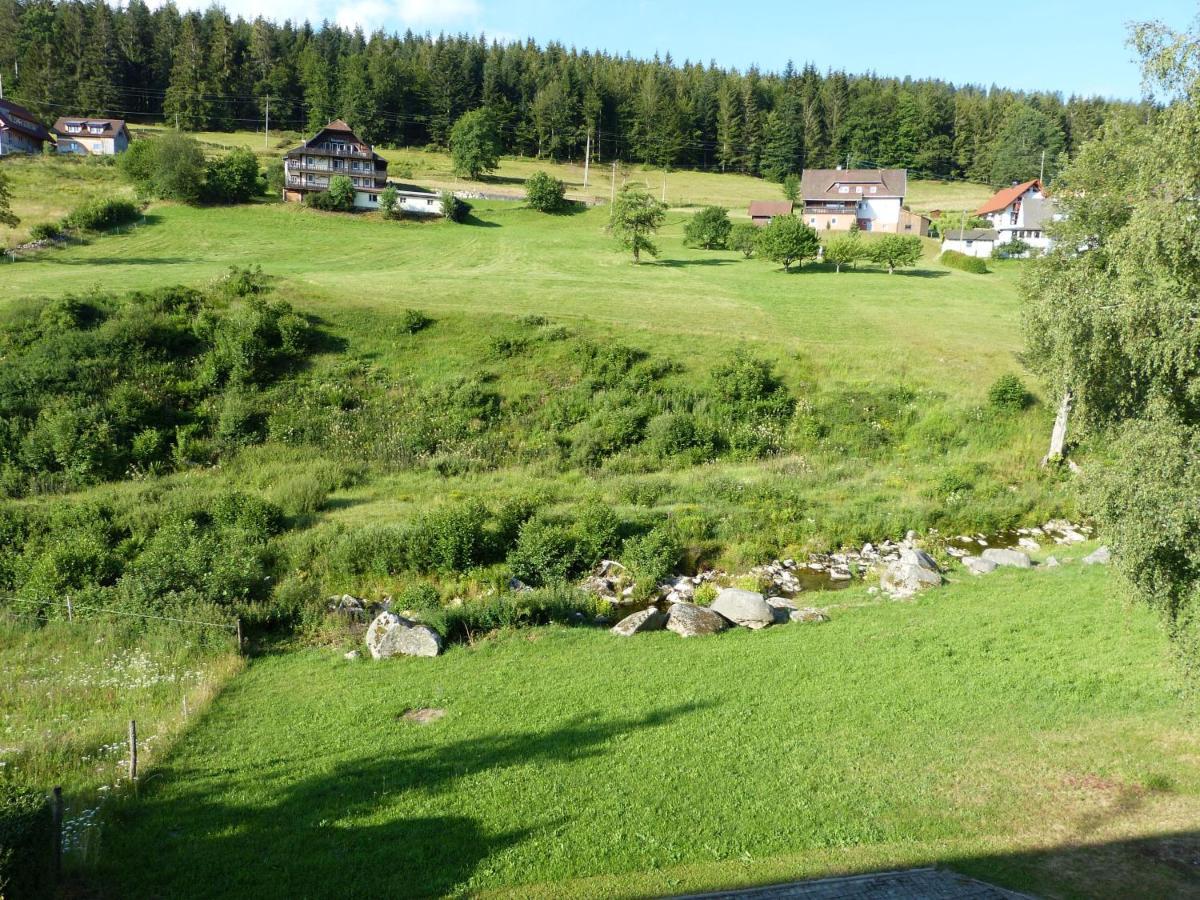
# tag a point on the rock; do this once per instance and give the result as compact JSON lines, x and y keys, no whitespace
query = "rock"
{"x":1014,"y":558}
{"x":352,"y":654}
{"x":902,"y":579}
{"x":390,"y":635}
{"x":1029,"y":544}
{"x":1052,"y":562}
{"x":690,"y":620}
{"x":977,"y":565}
{"x":781,"y":603}
{"x":808,"y":614}
{"x":516,"y":584}
{"x":839,"y":575}
{"x":1100,"y":557}
{"x":914,"y":557}
{"x":748,"y":608}
{"x":910,"y":537}
{"x":648,"y":619}
{"x":348,"y":606}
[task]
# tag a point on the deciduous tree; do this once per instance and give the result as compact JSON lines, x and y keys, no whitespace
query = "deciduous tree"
{"x":845,"y":250}
{"x":636,"y":216}
{"x":708,"y":228}
{"x":787,"y":240}
{"x":896,"y":251}
{"x":475,"y":144}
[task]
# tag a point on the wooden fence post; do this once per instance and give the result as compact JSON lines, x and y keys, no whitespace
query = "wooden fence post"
{"x":132,"y":750}
{"x":239,"y":634}
{"x":57,"y":813}
{"x":70,"y":611}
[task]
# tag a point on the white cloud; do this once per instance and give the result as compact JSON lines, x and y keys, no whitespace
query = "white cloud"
{"x":417,"y":14}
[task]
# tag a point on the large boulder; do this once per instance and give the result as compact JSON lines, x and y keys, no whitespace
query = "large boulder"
{"x":915,"y":570}
{"x":690,"y":620}
{"x":808,"y":614}
{"x":748,"y":608}
{"x":977,"y":565}
{"x":392,"y":635}
{"x":648,"y":619}
{"x":915,"y":557}
{"x":1015,"y":558}
{"x":1100,"y":557}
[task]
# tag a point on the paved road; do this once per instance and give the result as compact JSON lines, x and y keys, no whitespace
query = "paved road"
{"x":913,"y":884}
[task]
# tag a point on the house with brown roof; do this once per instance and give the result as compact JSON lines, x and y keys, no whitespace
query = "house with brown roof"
{"x":20,"y":131}
{"x":1021,"y":212}
{"x":872,"y":199}
{"x":332,"y":151}
{"x":763,"y":211}
{"x":87,"y":136}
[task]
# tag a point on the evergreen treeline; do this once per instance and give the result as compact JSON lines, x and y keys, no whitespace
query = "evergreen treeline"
{"x":208,"y":71}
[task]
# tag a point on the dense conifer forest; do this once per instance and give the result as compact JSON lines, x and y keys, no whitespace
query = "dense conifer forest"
{"x":207,"y":71}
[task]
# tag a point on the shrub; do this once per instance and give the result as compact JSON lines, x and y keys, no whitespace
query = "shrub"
{"x":964,"y":263}
{"x":544,"y":192}
{"x":341,"y":192}
{"x":388,"y":199}
{"x":1009,"y":392}
{"x":419,"y":595}
{"x":450,"y":539}
{"x":709,"y":228}
{"x":45,"y":231}
{"x":454,"y":209}
{"x":233,"y":178}
{"x":170,"y":167}
{"x":650,"y":558}
{"x":744,"y":237}
{"x":413,"y":320}
{"x":26,"y":842}
{"x":705,"y":594}
{"x":597,"y":532}
{"x":101,"y":214}
{"x":1014,"y":248}
{"x":545,"y":552}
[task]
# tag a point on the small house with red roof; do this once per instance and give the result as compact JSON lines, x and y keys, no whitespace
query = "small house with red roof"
{"x":20,"y":131}
{"x":1020,"y":212}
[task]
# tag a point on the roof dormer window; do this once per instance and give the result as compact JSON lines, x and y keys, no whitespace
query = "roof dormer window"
{"x":843,"y":189}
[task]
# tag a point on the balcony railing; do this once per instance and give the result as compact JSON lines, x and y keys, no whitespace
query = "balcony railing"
{"x":296,"y":165}
{"x":340,"y":150}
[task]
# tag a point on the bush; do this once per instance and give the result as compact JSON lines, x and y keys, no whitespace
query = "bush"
{"x":545,"y":552}
{"x":454,"y":209}
{"x":650,"y":558}
{"x":1014,"y":248}
{"x":101,"y":214}
{"x":26,"y":842}
{"x":709,"y":228}
{"x":597,"y":532}
{"x":388,"y":198}
{"x":413,"y":320}
{"x":449,"y":540}
{"x":45,"y":231}
{"x":1009,"y":392}
{"x":964,"y":263}
{"x":544,"y":192}
{"x":233,"y":178}
{"x":171,"y":167}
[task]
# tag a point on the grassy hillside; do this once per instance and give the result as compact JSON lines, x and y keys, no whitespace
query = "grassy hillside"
{"x":1003,"y":723}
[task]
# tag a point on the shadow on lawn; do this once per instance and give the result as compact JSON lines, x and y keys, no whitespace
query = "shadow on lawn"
{"x":311,"y":841}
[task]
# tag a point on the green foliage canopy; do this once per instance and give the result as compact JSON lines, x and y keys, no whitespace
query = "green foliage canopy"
{"x":636,"y":216}
{"x":786,"y":240}
{"x":708,"y":228}
{"x":475,"y":144}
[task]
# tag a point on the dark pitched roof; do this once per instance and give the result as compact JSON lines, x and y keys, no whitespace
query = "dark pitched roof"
{"x":770,"y":208}
{"x":20,"y":119}
{"x":1002,"y":199}
{"x":972,"y":234}
{"x":112,"y":127}
{"x":822,"y":184}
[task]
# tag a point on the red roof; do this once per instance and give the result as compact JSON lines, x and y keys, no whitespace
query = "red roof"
{"x":1001,"y":199}
{"x":770,"y":208}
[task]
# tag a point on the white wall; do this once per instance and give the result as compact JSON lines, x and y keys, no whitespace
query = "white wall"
{"x":884,"y":212}
{"x":969,"y":248}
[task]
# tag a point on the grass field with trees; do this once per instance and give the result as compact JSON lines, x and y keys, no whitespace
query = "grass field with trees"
{"x":421,"y":409}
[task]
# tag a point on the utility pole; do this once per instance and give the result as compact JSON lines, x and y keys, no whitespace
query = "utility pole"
{"x":963,"y":225}
{"x":1042,"y":171}
{"x":664,"y":196}
{"x":612,"y":192}
{"x":587,"y":157}
{"x":267,"y":124}
{"x":1,"y":85}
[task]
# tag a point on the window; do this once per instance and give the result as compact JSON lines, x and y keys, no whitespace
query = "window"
{"x":843,"y":189}
{"x":96,"y":146}
{"x":833,"y":221}
{"x":872,"y":190}
{"x":858,"y":190}
{"x":812,"y":221}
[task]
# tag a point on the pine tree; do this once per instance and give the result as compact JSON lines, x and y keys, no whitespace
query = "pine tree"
{"x":186,"y":102}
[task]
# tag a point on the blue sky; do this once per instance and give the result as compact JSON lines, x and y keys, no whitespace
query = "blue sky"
{"x":1065,"y":45}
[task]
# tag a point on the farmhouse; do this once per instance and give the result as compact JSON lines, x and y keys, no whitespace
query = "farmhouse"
{"x":1020,"y":212}
{"x":763,"y":211}
{"x":971,"y":241}
{"x":91,"y":137}
{"x":20,"y":131}
{"x":872,"y":199}
{"x":332,"y":151}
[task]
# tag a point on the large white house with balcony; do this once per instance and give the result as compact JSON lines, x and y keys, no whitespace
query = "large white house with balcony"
{"x":337,"y":150}
{"x":869,"y":199}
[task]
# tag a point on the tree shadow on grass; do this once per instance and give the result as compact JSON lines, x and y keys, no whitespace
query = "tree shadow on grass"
{"x":475,"y":221}
{"x":684,"y":263}
{"x":217,"y":835}
{"x":120,"y":260}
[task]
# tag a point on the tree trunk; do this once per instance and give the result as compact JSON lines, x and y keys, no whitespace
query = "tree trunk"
{"x":1058,"y":437}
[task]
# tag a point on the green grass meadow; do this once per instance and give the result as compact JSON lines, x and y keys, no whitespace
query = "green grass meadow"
{"x":993,"y":716}
{"x":1027,"y":727}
